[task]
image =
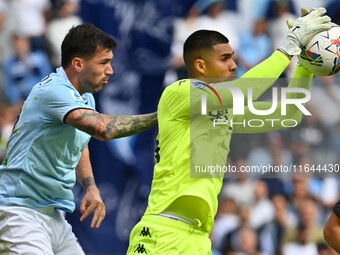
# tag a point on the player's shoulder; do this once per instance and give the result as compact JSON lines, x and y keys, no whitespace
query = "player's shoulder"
{"x":186,"y":83}
{"x":53,"y":87}
{"x":54,"y":83}
{"x":180,"y":85}
{"x":182,"y":88}
{"x":57,"y":79}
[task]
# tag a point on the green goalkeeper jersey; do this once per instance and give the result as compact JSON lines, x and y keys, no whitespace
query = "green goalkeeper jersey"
{"x":187,"y":139}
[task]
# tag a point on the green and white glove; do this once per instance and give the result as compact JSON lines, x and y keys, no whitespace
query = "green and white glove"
{"x":303,"y":30}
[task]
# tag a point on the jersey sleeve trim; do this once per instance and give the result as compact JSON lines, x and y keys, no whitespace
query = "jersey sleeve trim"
{"x":75,"y":108}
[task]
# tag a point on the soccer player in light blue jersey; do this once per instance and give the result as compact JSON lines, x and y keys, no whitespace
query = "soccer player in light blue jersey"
{"x":48,"y":151}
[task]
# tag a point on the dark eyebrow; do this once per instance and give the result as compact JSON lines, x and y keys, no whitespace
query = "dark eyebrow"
{"x":107,"y":60}
{"x":228,"y":55}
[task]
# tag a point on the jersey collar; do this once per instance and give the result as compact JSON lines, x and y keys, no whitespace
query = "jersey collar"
{"x":62,"y":73}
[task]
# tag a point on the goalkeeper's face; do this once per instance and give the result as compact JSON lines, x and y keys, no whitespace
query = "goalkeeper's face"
{"x":219,"y":63}
{"x":96,"y":71}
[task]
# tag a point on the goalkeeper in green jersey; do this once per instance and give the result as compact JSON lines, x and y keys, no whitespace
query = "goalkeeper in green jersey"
{"x":182,"y":206}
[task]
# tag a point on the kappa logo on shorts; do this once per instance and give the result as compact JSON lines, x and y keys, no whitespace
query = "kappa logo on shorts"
{"x":145,"y":232}
{"x":140,"y":249}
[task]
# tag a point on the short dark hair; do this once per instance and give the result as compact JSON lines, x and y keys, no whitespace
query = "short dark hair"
{"x":83,"y":41}
{"x":201,"y":40}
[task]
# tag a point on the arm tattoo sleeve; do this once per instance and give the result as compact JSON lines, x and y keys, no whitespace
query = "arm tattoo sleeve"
{"x":114,"y":126}
{"x":121,"y":125}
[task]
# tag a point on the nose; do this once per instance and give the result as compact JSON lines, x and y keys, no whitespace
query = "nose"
{"x":109,"y":69}
{"x":233,"y":66}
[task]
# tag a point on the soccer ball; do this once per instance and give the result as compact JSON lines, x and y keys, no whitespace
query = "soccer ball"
{"x":322,"y":53}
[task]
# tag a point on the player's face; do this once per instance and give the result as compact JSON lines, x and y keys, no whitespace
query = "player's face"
{"x":220,"y":64}
{"x":96,"y":71}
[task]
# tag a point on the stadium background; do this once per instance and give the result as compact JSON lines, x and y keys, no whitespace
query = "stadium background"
{"x":149,"y":33}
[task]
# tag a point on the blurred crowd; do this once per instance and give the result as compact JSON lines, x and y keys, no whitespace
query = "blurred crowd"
{"x":257,"y":214}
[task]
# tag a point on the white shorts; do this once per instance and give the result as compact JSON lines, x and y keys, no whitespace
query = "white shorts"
{"x":26,"y":231}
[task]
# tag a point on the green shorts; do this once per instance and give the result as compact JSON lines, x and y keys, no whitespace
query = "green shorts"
{"x":155,"y":235}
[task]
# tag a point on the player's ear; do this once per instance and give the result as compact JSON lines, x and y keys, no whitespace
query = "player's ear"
{"x":200,"y":65}
{"x":78,"y":63}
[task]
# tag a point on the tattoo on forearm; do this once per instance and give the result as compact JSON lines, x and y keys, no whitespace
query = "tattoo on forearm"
{"x":123,"y":125}
{"x":115,"y":126}
{"x":88,"y":181}
{"x":94,"y":117}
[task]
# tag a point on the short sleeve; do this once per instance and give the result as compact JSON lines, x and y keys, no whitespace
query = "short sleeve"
{"x":177,"y":99}
{"x":63,"y":99}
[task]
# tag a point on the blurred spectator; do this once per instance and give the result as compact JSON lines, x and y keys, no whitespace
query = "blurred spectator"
{"x":218,"y":18}
{"x":325,"y":191}
{"x":273,"y":5}
{"x":230,"y":241}
{"x":261,"y":8}
{"x":226,"y":220}
{"x":8,"y":115}
{"x":243,"y":239}
{"x":248,"y":243}
{"x":183,"y":27}
{"x":277,"y":27}
{"x":309,"y":216}
{"x":23,"y":70}
{"x":308,"y":213}
{"x":284,"y":220}
{"x":31,"y":17}
{"x":5,"y":30}
{"x":254,"y":47}
{"x":6,"y":48}
{"x":299,"y":190}
{"x":2,"y":13}
{"x":66,"y":18}
{"x":241,"y":190}
{"x":302,"y":245}
{"x":262,"y":212}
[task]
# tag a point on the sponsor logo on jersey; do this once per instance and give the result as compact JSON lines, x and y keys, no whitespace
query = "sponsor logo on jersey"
{"x":78,"y":98}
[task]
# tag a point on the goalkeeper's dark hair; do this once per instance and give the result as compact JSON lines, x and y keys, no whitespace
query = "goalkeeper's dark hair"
{"x":83,"y":41}
{"x":201,"y":40}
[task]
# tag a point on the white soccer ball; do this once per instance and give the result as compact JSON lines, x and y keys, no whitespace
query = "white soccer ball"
{"x":322,"y":54}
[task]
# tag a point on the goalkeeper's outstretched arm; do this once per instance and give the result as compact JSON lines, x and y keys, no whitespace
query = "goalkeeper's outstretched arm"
{"x":302,"y":78}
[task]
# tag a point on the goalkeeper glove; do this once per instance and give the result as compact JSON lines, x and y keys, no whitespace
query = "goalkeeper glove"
{"x":303,"y":29}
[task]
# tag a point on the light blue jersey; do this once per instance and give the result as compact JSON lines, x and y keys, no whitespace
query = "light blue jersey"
{"x":43,"y":151}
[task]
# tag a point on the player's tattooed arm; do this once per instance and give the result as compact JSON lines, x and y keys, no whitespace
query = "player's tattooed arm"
{"x":106,"y":127}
